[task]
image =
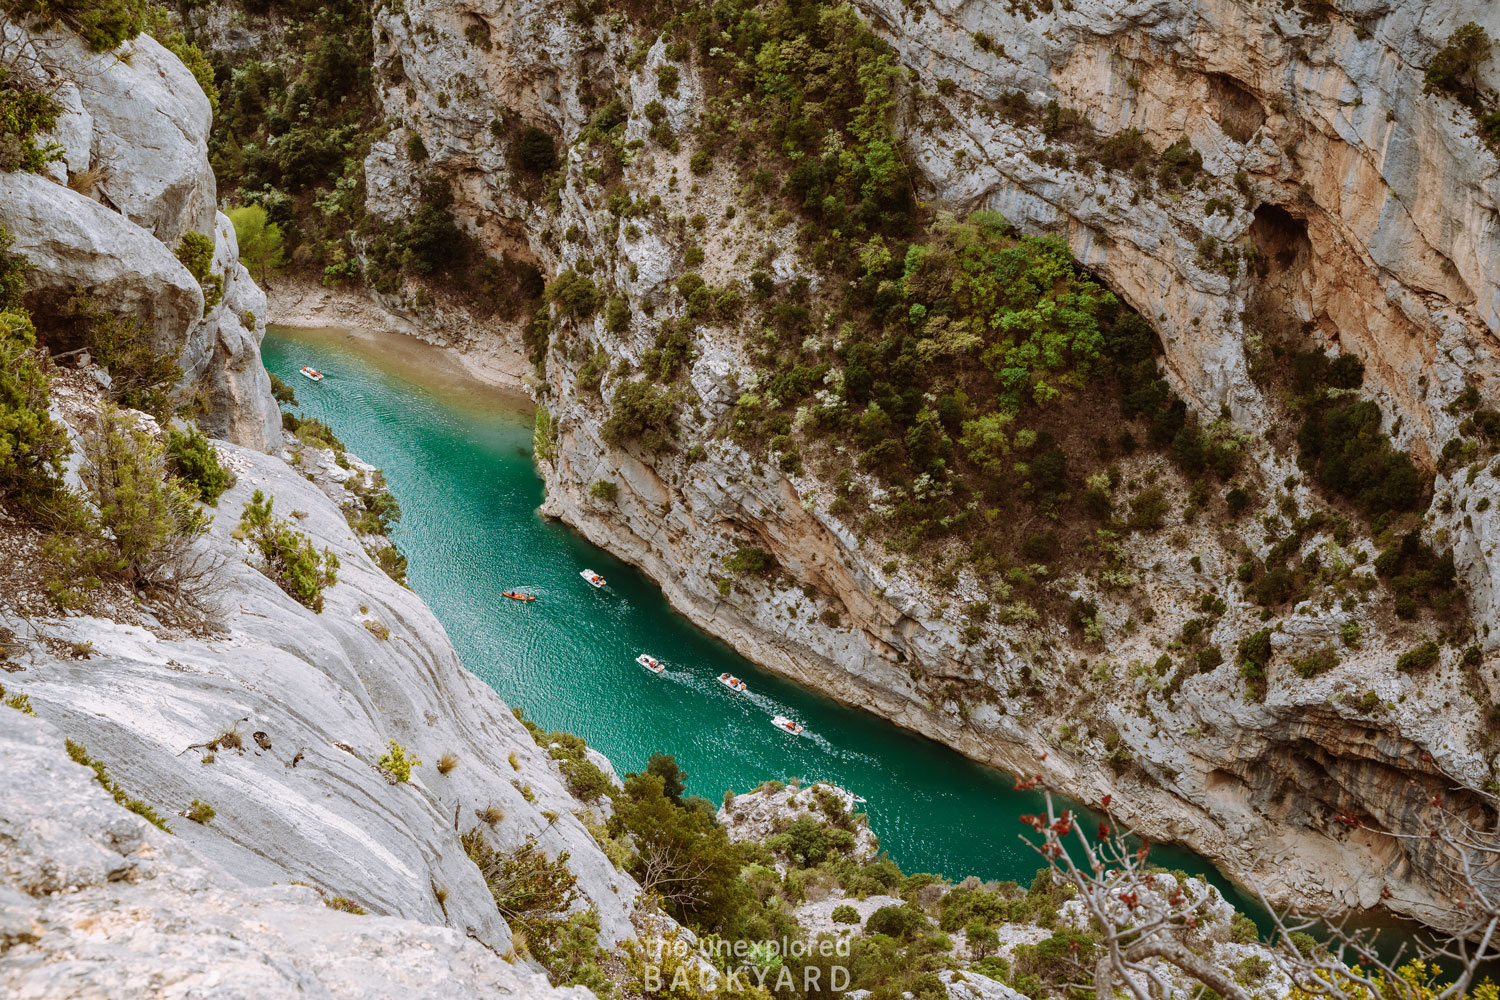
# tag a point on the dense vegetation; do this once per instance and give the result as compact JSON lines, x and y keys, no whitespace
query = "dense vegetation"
{"x":294,"y":127}
{"x":296,"y":122}
{"x":950,"y":359}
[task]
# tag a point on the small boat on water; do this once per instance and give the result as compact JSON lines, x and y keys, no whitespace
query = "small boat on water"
{"x":594,"y":579}
{"x":312,"y":373}
{"x":516,"y":595}
{"x":782,"y":722}
{"x":733,"y":683}
{"x":650,"y":662}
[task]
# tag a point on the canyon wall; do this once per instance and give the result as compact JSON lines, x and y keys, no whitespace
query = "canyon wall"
{"x":1371,"y":206}
{"x":102,"y":224}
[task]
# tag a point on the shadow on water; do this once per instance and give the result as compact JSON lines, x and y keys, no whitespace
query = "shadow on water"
{"x":458,"y":458}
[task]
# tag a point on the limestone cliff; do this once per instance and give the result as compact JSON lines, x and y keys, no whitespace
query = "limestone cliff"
{"x":312,"y":700}
{"x":95,"y":902}
{"x":105,"y":220}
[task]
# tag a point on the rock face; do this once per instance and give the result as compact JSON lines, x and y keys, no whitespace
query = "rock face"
{"x":96,"y":902}
{"x":1369,"y":205}
{"x":768,"y":810}
{"x":134,"y":136}
{"x":312,"y":702}
{"x":1366,"y":188}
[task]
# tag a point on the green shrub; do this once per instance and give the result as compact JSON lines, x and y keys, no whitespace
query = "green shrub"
{"x":391,"y":562}
{"x":845,"y":914}
{"x":432,"y":242}
{"x":13,"y":269}
{"x":378,"y":510}
{"x":416,"y":149}
{"x":1455,"y":70}
{"x":32,"y":445}
{"x":1420,"y":658}
{"x":1180,"y":163}
{"x":751,"y":559}
{"x":574,"y":294}
{"x":288,"y":556}
{"x":314,"y":433}
{"x":80,"y":755}
{"x":701,"y":162}
{"x":591,"y":375}
{"x":531,"y":891}
{"x":536,"y":150}
{"x":666,"y":80}
{"x":200,"y":812}
{"x":148,"y":519}
{"x":104,"y":24}
{"x":282,"y":392}
{"x":605,"y":490}
{"x":1343,"y":444}
{"x":1255,"y":656}
{"x":396,"y":763}
{"x":617,"y":314}
{"x":901,"y":922}
{"x":260,"y":243}
{"x":808,"y":843}
{"x":142,"y":376}
{"x":24,"y":114}
{"x":1123,"y":150}
{"x":1316,"y":662}
{"x":544,"y":435}
{"x":641,"y":412}
{"x":195,"y":462}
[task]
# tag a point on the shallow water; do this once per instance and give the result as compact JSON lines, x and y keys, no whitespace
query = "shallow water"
{"x":458,"y":458}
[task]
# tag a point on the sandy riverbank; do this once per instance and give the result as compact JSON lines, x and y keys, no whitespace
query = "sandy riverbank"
{"x":489,"y":355}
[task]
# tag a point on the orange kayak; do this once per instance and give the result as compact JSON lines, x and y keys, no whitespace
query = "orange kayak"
{"x":517,"y":597}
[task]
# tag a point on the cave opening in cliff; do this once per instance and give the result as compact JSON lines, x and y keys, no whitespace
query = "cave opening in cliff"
{"x":1280,"y":305}
{"x":1238,"y":111}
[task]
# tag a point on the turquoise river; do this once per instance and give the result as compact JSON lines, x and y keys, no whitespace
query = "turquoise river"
{"x":457,"y":456}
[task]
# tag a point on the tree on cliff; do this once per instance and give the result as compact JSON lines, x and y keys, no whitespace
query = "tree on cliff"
{"x":259,"y":240}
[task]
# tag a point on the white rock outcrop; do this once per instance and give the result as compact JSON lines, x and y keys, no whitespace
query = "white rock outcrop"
{"x":313,"y":701}
{"x":135,"y":127}
{"x":97,"y":903}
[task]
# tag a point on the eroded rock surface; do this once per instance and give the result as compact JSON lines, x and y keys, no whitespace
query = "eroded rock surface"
{"x":1369,"y":204}
{"x":97,"y":903}
{"x":310,"y":702}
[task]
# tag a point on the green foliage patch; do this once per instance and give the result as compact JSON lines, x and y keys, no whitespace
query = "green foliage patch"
{"x":32,"y":444}
{"x":195,"y":462}
{"x":288,"y":556}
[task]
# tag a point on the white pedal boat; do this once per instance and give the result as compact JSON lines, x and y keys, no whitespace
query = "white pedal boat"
{"x":312,"y":373}
{"x":782,"y":722}
{"x":733,"y":683}
{"x":594,"y":579}
{"x":650,"y":662}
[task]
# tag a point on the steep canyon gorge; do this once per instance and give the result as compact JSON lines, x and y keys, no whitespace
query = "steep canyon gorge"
{"x":1221,"y":552}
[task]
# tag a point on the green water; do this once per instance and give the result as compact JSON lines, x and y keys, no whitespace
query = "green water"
{"x":458,"y":458}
